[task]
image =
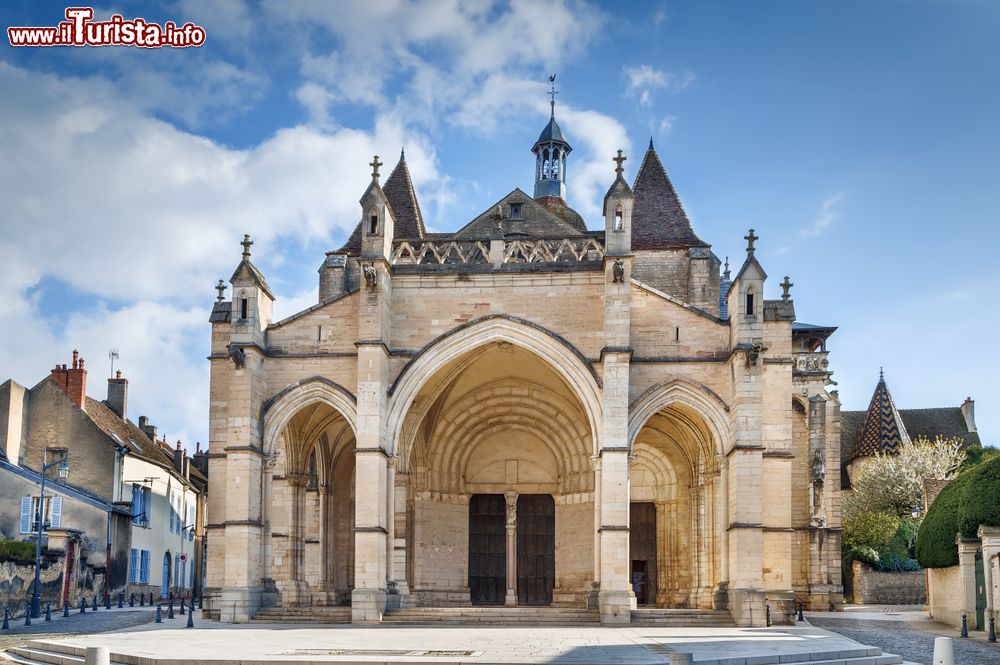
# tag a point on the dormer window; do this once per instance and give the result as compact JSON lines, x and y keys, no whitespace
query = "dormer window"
{"x":373,"y":221}
{"x":619,"y":217}
{"x":515,"y":211}
{"x":750,"y":305}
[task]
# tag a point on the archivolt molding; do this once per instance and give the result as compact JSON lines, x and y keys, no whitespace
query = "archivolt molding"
{"x":681,"y":391}
{"x":278,"y":411}
{"x":565,"y":359}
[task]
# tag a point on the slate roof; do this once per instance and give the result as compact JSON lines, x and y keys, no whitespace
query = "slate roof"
{"x":658,"y":218}
{"x":552,"y":133}
{"x":549,"y":218}
{"x":409,"y":221}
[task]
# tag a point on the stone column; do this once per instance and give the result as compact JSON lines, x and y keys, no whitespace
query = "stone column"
{"x":392,"y":599}
{"x":967,"y":548}
{"x":592,"y":600}
{"x":510,"y":600}
{"x":401,"y":486}
{"x":324,"y":540}
{"x":989,"y":536}
{"x":663,"y":574}
{"x":296,"y":537}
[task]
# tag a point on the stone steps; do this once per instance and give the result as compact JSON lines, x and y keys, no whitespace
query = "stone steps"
{"x":679,"y":618}
{"x":323,"y":614}
{"x":493,"y":615}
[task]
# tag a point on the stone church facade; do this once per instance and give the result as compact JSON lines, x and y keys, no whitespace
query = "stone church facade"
{"x":523,"y":412}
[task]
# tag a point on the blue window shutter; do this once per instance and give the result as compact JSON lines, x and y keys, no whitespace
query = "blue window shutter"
{"x":136,"y":505}
{"x":144,"y":567}
{"x":25,"y":514}
{"x":133,"y":566}
{"x":55,"y":518}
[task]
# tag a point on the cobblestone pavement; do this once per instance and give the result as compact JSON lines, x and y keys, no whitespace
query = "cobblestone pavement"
{"x":100,"y":621}
{"x":913,"y":640}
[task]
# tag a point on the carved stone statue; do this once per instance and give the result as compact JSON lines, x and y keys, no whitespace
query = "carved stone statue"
{"x":511,"y":497}
{"x":238,"y":356}
{"x":753,"y":353}
{"x":818,"y":476}
{"x":818,"y":468}
{"x":618,"y":272}
{"x":371,"y":277}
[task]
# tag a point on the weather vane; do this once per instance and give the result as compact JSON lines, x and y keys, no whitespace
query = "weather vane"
{"x":553,"y":92}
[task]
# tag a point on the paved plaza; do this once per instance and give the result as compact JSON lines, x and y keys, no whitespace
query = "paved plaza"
{"x":223,"y":643}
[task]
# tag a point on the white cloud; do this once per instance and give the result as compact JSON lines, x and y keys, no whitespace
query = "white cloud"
{"x":643,"y":81}
{"x":827,"y":216}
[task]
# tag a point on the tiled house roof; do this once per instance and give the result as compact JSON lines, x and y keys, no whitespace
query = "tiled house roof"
{"x":882,"y":430}
{"x":658,"y":218}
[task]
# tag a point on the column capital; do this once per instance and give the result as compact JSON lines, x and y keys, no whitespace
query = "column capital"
{"x":297,"y":479}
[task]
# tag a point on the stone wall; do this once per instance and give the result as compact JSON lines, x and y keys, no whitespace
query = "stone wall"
{"x":875,"y":587}
{"x":944,"y":591}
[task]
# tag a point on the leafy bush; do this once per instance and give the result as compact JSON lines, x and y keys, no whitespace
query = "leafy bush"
{"x":17,"y":551}
{"x":864,"y":555}
{"x":936,"y":540}
{"x":976,"y":455}
{"x":981,"y":501}
{"x":872,"y":530}
{"x":894,"y":563}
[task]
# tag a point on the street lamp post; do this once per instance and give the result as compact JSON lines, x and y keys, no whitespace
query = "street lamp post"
{"x":36,"y":591}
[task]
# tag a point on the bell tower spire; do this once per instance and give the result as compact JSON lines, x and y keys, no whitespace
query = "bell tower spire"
{"x":551,"y":150}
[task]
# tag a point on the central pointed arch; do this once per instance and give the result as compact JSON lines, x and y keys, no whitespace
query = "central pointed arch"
{"x":562,"y":356}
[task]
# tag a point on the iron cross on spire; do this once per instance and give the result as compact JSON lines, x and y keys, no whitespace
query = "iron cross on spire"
{"x":375,"y":164}
{"x":618,"y":160}
{"x":751,"y":238}
{"x":552,"y":93}
{"x":246,"y":245}
{"x":785,"y":286}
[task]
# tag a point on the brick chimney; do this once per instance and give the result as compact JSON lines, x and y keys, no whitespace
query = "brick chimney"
{"x":200,"y":460}
{"x":118,"y":394}
{"x":969,"y":413}
{"x":147,"y":429}
{"x":72,"y":380}
{"x":179,"y":458}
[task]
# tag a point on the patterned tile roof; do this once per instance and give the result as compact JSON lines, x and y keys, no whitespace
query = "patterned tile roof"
{"x":409,"y":221}
{"x":658,"y":218}
{"x":883,"y":430}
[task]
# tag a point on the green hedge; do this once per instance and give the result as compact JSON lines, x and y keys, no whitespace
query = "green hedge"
{"x":936,"y":538}
{"x":17,"y":551}
{"x":970,"y":500}
{"x":981,"y":502}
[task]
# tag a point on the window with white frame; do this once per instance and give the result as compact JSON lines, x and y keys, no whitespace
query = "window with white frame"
{"x":51,"y":514}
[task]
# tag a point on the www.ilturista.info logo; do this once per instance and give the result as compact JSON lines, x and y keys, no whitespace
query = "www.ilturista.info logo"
{"x":79,"y":29}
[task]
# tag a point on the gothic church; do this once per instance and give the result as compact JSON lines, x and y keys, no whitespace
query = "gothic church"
{"x":523,"y":412}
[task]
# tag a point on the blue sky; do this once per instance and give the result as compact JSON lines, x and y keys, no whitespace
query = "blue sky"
{"x":859,"y":139}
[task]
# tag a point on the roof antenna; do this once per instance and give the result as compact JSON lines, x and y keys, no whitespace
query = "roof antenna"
{"x":113,"y":355}
{"x":553,"y":92}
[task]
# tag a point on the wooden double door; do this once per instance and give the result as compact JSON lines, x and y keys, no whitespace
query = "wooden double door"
{"x":535,"y":545}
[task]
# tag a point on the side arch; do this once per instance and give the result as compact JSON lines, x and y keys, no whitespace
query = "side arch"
{"x":565,"y":359}
{"x":677,"y":390}
{"x":278,"y":410}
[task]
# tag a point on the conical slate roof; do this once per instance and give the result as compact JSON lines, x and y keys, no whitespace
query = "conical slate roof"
{"x":883,"y":430}
{"x":658,"y":218}
{"x":409,"y":222}
{"x":552,"y":132}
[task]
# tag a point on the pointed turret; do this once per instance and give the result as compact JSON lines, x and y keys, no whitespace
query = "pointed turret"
{"x":659,"y":220}
{"x":551,"y":150}
{"x":618,"y":205}
{"x":252,"y":300}
{"x":883,"y":430}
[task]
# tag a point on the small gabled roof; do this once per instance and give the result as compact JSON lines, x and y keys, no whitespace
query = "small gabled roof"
{"x":658,"y":218}
{"x":538,"y":219}
{"x":883,"y":430}
{"x":247,"y":269}
{"x":408,"y":221}
{"x":619,"y":185}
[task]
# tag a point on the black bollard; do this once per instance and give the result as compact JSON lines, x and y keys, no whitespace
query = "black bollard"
{"x":190,"y":623}
{"x":159,"y":615}
{"x":83,"y":605}
{"x":27,"y":617}
{"x":142,"y":600}
{"x":993,"y":630}
{"x":131,"y":600}
{"x":121,"y":600}
{"x":170,"y":609}
{"x":965,"y":625}
{"x":95,"y":604}
{"x":767,"y":614}
{"x":182,"y":606}
{"x":107,"y":600}
{"x":66,"y":609}
{"x":6,"y":619}
{"x":48,"y":611}
{"x":801,"y":616}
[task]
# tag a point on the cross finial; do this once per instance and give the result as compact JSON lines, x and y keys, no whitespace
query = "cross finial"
{"x":221,"y":288}
{"x":618,"y":160}
{"x":751,"y":238}
{"x":246,"y":245}
{"x":375,"y":164}
{"x":881,"y":374}
{"x":785,"y":285}
{"x":552,"y":93}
